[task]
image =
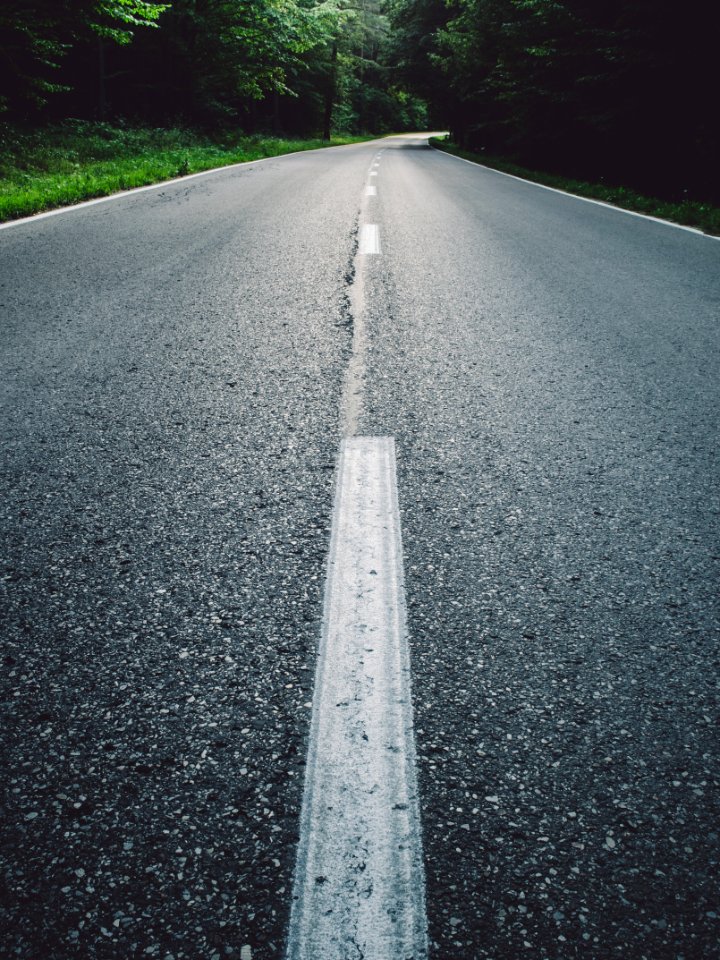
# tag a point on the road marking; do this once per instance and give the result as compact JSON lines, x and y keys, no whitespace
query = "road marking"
{"x":163,"y":183}
{"x":373,"y":173}
{"x":359,"y":886}
{"x":370,"y":191}
{"x":566,"y":193}
{"x":369,"y":238}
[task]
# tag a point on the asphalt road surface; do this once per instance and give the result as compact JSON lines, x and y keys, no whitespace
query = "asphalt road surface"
{"x":178,"y":368}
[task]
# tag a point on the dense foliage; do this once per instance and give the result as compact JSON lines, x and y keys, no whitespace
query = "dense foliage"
{"x":614,"y":89}
{"x":35,"y":36}
{"x":293,"y":65}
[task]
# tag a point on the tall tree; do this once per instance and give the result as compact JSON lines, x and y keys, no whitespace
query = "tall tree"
{"x":413,"y":53}
{"x":618,"y":89}
{"x":35,"y":36}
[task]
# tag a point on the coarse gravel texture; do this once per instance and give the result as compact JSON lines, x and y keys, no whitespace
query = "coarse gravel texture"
{"x":172,"y":374}
{"x":550,"y":372}
{"x":172,"y":369}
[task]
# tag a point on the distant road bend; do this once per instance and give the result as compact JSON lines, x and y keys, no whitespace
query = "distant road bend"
{"x":359,"y":576}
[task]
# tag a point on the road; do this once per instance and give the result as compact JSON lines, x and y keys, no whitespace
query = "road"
{"x":178,"y":368}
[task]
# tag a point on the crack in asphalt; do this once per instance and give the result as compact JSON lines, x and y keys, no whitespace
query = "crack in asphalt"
{"x":353,"y":310}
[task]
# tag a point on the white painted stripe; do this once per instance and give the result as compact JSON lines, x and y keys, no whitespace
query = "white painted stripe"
{"x":369,"y":238}
{"x":370,"y":191}
{"x":576,"y":196}
{"x":373,"y":173}
{"x":164,"y":183}
{"x":359,"y":884}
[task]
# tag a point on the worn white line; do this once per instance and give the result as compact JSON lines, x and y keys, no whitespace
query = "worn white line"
{"x":370,"y":191}
{"x":373,"y":173}
{"x":576,"y":196}
{"x":359,"y":884}
{"x":369,"y":239}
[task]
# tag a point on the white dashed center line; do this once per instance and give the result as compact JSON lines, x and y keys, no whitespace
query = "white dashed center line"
{"x":359,"y":885}
{"x":370,"y":191}
{"x":369,"y":239}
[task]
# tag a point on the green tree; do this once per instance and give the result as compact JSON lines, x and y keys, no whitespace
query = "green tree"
{"x":616,"y":90}
{"x":413,"y":48}
{"x":35,"y":36}
{"x":216,"y":59}
{"x":364,"y":92}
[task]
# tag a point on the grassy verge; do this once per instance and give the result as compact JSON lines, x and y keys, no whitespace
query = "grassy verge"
{"x":704,"y":216}
{"x":74,"y":161}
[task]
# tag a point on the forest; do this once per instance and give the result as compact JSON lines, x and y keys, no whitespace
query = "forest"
{"x":617,"y":91}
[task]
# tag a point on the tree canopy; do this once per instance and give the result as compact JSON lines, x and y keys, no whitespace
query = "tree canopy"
{"x":289,"y":64}
{"x":602,"y":89}
{"x":36,"y":35}
{"x":620,"y":89}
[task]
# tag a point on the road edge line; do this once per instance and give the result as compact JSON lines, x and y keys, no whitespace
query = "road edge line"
{"x":119,"y":194}
{"x":577,"y":196}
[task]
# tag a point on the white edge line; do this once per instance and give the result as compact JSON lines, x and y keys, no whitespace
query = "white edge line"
{"x":165,"y":183}
{"x":577,"y":196}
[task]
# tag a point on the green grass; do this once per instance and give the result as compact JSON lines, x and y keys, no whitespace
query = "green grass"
{"x":692,"y":213}
{"x":76,"y":160}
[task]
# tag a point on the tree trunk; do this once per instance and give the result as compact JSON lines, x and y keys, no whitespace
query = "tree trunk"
{"x":330,"y":93}
{"x":101,"y":98}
